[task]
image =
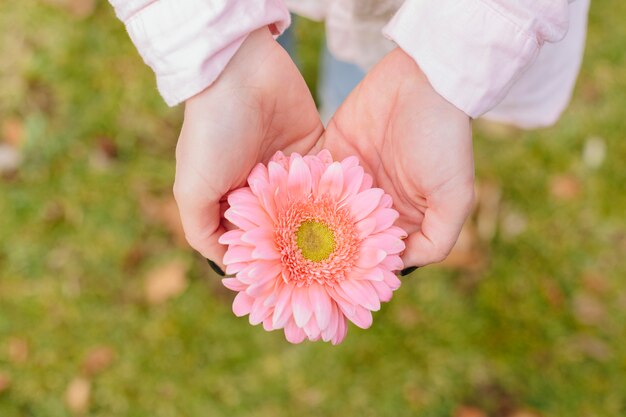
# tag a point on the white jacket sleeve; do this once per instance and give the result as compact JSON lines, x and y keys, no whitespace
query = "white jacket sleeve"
{"x":188,"y":43}
{"x":473,"y":51}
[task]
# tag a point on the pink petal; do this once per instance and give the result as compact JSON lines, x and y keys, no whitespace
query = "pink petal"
{"x":255,"y":235}
{"x":390,"y":244}
{"x":342,"y":299}
{"x":312,"y":331}
{"x":266,"y":250}
{"x":293,"y":333}
{"x":364,"y":203}
{"x":299,"y":179}
{"x":367,"y":183}
{"x":399,"y":232}
{"x":373,"y":274}
{"x":349,"y":162}
{"x":321,"y":305}
{"x":242,"y":304}
{"x":264,"y":270}
{"x":231,"y":237}
{"x":234,"y":268}
{"x":325,"y":156}
{"x":267,"y":324}
{"x":361,"y":293}
{"x":261,"y":289}
{"x":278,"y":176}
{"x":235,"y":217}
{"x":282,"y":309}
{"x":386,"y":201}
{"x":329,"y":332}
{"x":369,"y":257}
{"x":383,"y":291}
{"x":252,"y":212}
{"x":332,"y":181}
{"x":365,"y":227}
{"x":258,"y":312}
{"x":242,"y":196}
{"x":280,"y":159}
{"x":265,"y":193}
{"x":342,"y":330}
{"x":301,"y":306}
{"x":385,"y":218}
{"x":392,"y":280}
{"x":362,"y":317}
{"x":353,"y":177}
{"x":259,"y":173}
{"x":234,"y":284}
{"x":392,"y":263}
{"x":236,"y":253}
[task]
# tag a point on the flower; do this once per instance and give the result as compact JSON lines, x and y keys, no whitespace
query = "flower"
{"x":314,"y":246}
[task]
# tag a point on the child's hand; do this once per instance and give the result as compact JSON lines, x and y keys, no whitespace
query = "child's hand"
{"x":259,"y":104}
{"x":417,"y":146}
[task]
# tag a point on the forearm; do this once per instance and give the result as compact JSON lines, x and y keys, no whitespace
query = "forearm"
{"x":473,"y":51}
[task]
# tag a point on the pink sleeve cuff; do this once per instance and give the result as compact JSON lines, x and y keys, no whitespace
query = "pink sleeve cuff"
{"x":189,"y":43}
{"x":473,"y":51}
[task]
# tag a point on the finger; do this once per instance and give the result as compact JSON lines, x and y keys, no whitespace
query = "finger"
{"x":200,"y":214}
{"x":440,"y":228}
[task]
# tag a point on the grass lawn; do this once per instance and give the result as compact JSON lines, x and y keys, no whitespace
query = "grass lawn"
{"x":105,"y":311}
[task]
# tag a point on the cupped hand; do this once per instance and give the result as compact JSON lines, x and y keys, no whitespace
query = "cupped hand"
{"x":418,"y":148}
{"x":260,"y":104}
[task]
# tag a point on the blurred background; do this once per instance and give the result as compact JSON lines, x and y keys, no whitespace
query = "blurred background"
{"x":105,"y":311}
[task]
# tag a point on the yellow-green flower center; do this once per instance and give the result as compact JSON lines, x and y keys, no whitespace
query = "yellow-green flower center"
{"x":315,"y":240}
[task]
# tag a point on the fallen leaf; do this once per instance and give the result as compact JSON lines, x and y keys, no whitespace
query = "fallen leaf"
{"x":10,"y":159}
{"x":5,"y":382}
{"x":512,"y":224}
{"x":13,"y":132}
{"x":588,"y":309}
{"x":77,"y":395}
{"x":488,"y":196}
{"x":524,"y":413}
{"x":165,"y":281}
{"x":466,"y":253}
{"x":467,"y":411}
{"x":594,"y":152}
{"x":78,"y":8}
{"x":97,"y":360}
{"x":592,"y":347}
{"x":17,"y":348}
{"x":565,"y":187}
{"x":164,"y":211}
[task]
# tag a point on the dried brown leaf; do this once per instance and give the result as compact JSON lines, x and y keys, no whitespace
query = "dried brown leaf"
{"x":5,"y":382}
{"x":165,"y":281}
{"x":588,"y":309}
{"x":17,"y":349}
{"x":468,"y":411}
{"x":97,"y":360}
{"x":565,"y":187}
{"x":13,"y":132}
{"x":488,"y":197}
{"x":467,"y":253}
{"x":524,"y":413}
{"x":77,"y":395}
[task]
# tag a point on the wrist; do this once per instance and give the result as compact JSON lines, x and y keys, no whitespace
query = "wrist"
{"x":255,"y":48}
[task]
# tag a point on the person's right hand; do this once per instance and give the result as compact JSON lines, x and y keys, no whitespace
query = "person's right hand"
{"x":260,"y":104}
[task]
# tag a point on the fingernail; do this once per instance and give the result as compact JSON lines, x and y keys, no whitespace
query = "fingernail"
{"x":216,"y":268}
{"x":407,"y":271}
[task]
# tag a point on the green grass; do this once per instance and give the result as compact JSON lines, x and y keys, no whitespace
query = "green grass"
{"x":538,"y":326}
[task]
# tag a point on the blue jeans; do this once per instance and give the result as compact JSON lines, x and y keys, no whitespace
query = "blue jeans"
{"x":337,"y":78}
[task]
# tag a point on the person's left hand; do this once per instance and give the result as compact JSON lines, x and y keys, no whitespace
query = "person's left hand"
{"x":418,"y":148}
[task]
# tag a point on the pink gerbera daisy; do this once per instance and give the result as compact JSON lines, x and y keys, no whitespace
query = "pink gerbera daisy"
{"x":314,"y":245}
